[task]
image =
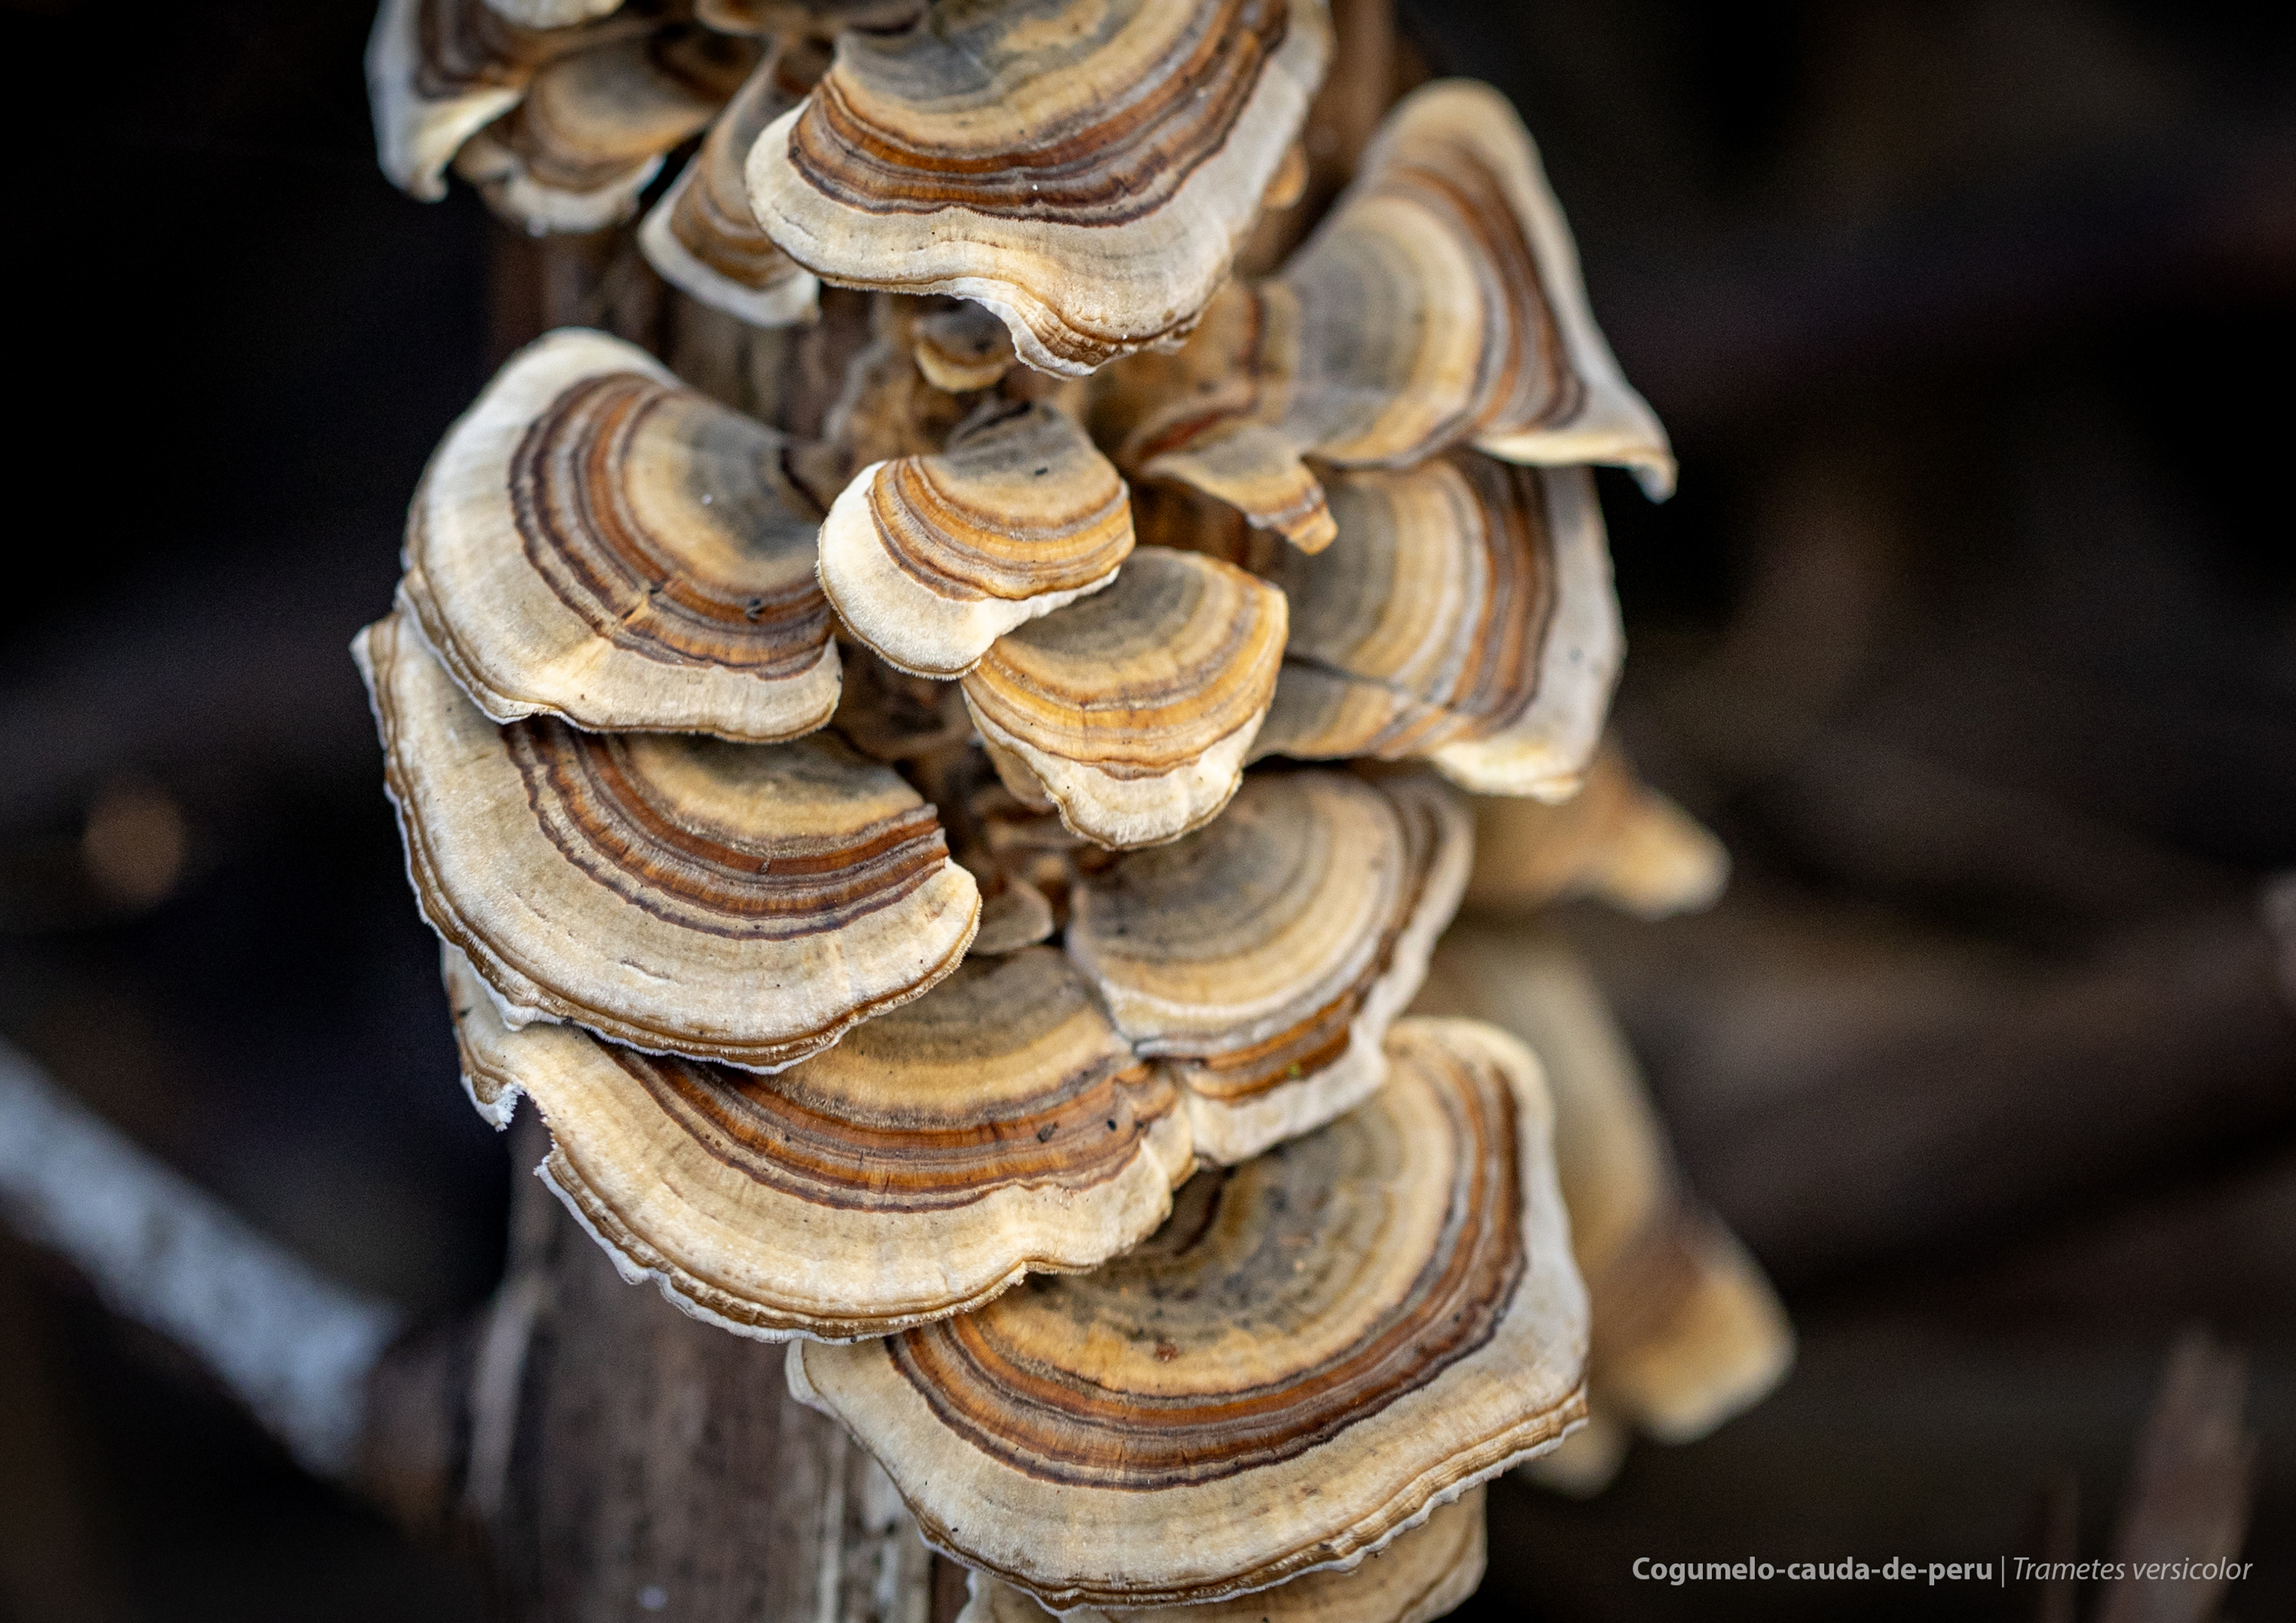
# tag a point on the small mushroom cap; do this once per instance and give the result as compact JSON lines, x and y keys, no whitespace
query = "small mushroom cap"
{"x":1567,"y":401}
{"x":597,"y":541}
{"x":1088,"y":171}
{"x":804,"y":17}
{"x":438,"y":72}
{"x":1263,"y":956}
{"x":553,"y":13}
{"x":1439,"y":305}
{"x":1015,"y":913}
{"x":1687,"y":1331}
{"x":702,"y":236}
{"x":995,"y":1127}
{"x":1464,"y":615}
{"x":1421,"y":1576}
{"x":744,"y":903}
{"x":594,"y":126}
{"x":1320,"y":1349}
{"x":964,"y":349}
{"x":1238,"y":933}
{"x":1616,"y":839}
{"x":1210,"y":415}
{"x":1441,"y":301}
{"x":1131,"y":711}
{"x":930,"y":559}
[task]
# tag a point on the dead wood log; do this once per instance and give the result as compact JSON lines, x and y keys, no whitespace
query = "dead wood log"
{"x":607,"y":1455}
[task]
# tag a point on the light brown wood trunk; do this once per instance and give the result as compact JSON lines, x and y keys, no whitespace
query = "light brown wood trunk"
{"x":606,"y":1456}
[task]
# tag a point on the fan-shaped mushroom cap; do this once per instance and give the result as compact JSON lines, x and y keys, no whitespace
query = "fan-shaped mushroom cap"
{"x":1131,"y":711}
{"x":1439,"y":305}
{"x":1087,"y":171}
{"x":1234,"y":934}
{"x":1262,"y":957}
{"x":964,"y":349}
{"x":597,"y":541}
{"x":553,"y":13}
{"x":745,"y":903}
{"x":1464,"y":615}
{"x":1616,"y":839}
{"x":1015,"y":913}
{"x":1319,"y":1348}
{"x":1687,"y":1333}
{"x":1452,"y":216}
{"x":996,"y":1127}
{"x":594,"y":126}
{"x":702,"y":236}
{"x":804,"y":16}
{"x":438,"y":72}
{"x":930,"y":559}
{"x":1422,"y":1575}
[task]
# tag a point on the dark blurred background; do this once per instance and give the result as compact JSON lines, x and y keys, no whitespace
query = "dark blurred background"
{"x":1972,"y":631}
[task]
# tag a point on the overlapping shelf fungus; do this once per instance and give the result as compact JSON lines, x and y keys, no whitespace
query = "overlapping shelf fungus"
{"x":940,"y":773}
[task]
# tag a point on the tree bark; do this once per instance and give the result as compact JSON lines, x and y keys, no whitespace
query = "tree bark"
{"x":610,"y":1457}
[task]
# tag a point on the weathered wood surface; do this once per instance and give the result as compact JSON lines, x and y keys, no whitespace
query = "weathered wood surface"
{"x":610,"y":1457}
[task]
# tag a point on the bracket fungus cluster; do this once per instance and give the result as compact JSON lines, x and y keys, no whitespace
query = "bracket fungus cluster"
{"x":1320,"y":1348}
{"x":944,"y":835}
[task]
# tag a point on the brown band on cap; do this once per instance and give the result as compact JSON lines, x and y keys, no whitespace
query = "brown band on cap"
{"x":594,"y":801}
{"x":1017,"y":507}
{"x":1527,"y":380}
{"x":1180,"y":652}
{"x":580,"y":532}
{"x":1433,"y":607}
{"x":1078,"y":1135}
{"x":1245,"y":1270}
{"x":1103,"y":165}
{"x":711,"y":217}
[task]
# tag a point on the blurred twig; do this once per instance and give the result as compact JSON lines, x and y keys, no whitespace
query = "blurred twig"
{"x":293,"y":1346}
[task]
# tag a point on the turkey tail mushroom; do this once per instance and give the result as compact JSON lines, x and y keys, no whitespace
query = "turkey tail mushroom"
{"x":553,"y":13}
{"x":1617,"y":839}
{"x":702,"y":237}
{"x":1262,"y":957}
{"x":1463,"y":615}
{"x":996,"y":1127}
{"x":595,"y":541}
{"x":1318,"y":1350}
{"x":438,"y":72}
{"x":593,"y":127}
{"x":1439,"y":305}
{"x":930,"y":559}
{"x":1132,"y":710}
{"x":1421,"y":1576}
{"x":743,"y":903}
{"x":964,"y":349}
{"x":1088,"y":171}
